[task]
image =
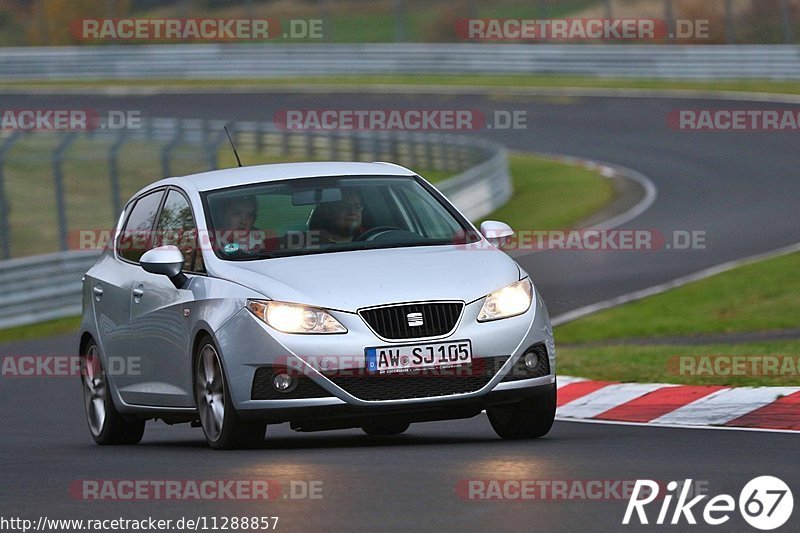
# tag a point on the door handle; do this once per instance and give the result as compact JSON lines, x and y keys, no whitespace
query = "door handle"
{"x":98,"y":292}
{"x":138,"y":292}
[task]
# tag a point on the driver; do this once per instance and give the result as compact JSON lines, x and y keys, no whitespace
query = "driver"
{"x":339,"y":222}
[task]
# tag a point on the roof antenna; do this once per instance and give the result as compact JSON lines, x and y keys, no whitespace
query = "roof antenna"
{"x":225,"y":127}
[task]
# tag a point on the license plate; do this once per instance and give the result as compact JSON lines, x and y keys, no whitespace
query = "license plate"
{"x":392,"y":359}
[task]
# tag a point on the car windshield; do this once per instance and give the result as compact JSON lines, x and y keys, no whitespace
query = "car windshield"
{"x":329,"y":214}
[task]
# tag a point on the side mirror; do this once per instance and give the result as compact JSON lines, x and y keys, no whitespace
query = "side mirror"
{"x":497,"y":233}
{"x":166,"y":261}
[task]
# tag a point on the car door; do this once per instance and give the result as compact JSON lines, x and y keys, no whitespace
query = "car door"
{"x":111,"y":283}
{"x":160,"y":331}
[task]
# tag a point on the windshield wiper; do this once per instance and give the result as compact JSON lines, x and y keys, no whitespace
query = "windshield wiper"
{"x":345,"y":247}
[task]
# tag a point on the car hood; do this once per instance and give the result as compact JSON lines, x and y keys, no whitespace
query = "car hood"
{"x":349,"y":281}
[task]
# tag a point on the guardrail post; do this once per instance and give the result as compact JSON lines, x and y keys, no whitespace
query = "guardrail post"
{"x":309,"y":144}
{"x":376,"y":146}
{"x":5,"y":229}
{"x":411,"y":149}
{"x":177,"y":135}
{"x":259,"y":133}
{"x":730,"y":23}
{"x":786,"y":15}
{"x":428,"y":154}
{"x":214,"y":145}
{"x":609,"y":9}
{"x":399,"y":7}
{"x":394,"y":151}
{"x":669,"y":17}
{"x":356,"y":137}
{"x":450,"y":157}
{"x":58,"y":178}
{"x":284,"y":143}
{"x":333,"y":146}
{"x":472,"y":10}
{"x":113,"y":170}
{"x":542,"y":9}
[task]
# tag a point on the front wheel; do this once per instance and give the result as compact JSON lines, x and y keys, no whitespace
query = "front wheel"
{"x":530,"y":418}
{"x":106,"y":424}
{"x":223,"y":427}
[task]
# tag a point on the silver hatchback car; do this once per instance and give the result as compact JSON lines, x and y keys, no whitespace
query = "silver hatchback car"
{"x":327,"y":295}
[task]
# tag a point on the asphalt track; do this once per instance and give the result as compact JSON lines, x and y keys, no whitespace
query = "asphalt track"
{"x":740,"y":188}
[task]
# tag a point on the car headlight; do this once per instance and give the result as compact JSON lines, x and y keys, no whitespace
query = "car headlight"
{"x":511,"y":300}
{"x":295,"y":318}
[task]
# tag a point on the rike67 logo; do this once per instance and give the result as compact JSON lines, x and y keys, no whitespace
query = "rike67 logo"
{"x":765,"y":503}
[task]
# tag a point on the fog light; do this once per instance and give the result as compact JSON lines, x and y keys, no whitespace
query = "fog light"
{"x":531,"y":361}
{"x":283,"y":382}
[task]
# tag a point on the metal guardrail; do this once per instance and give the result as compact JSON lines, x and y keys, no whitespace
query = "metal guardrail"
{"x":43,"y":287}
{"x":215,"y":61}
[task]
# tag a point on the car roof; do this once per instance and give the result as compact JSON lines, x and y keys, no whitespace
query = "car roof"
{"x":232,"y":177}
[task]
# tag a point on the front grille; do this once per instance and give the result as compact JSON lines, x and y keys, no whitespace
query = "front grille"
{"x":392,"y":322}
{"x":425,"y":383}
{"x":263,"y":389}
{"x":520,"y":371}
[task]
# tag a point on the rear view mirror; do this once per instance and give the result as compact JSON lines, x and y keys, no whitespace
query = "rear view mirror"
{"x":316,"y":196}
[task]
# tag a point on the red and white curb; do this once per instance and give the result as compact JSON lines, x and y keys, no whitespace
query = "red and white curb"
{"x":769,"y":408}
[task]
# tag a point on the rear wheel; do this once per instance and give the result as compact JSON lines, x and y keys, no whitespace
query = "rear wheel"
{"x":528,"y":419}
{"x":223,"y":427}
{"x":384,"y":428}
{"x":106,"y":424}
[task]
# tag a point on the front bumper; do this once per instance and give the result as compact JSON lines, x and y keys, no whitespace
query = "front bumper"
{"x":335,"y":413}
{"x":247,"y":345}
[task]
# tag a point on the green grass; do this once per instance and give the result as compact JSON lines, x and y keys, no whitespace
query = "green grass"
{"x":472,"y":82}
{"x":757,"y":297}
{"x":752,"y":298}
{"x":59,"y":326}
{"x":551,"y":195}
{"x":660,"y":364}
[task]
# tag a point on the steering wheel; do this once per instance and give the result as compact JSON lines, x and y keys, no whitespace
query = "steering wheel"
{"x":372,"y":233}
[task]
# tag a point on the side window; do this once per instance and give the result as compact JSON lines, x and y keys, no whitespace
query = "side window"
{"x":176,"y":226}
{"x":136,"y":238}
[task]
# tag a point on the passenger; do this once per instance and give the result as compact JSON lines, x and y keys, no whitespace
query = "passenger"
{"x":235,"y":225}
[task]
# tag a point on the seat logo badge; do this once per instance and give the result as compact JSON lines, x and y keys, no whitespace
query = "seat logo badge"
{"x":414,"y":319}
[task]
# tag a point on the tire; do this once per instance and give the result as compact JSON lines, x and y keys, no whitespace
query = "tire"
{"x":385,"y":428}
{"x":530,"y":418}
{"x":224,"y":429}
{"x":106,"y":425}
